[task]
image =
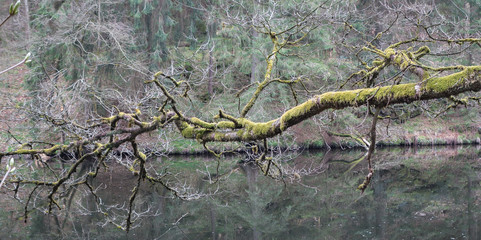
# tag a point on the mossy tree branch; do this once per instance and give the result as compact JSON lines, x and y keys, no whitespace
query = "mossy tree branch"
{"x":469,"y":79}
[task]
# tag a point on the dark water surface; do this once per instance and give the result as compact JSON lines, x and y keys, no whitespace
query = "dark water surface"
{"x":425,"y":193}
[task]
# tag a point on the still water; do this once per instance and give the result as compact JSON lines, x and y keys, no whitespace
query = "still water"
{"x":423,"y":193}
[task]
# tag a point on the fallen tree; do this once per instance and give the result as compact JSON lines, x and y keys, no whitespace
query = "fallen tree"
{"x":104,"y":135}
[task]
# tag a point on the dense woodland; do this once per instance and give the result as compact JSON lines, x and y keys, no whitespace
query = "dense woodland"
{"x":121,"y":82}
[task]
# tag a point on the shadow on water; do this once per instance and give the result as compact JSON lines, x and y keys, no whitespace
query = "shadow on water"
{"x":423,"y":193}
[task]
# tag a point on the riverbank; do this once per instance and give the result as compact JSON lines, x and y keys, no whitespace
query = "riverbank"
{"x":454,"y":128}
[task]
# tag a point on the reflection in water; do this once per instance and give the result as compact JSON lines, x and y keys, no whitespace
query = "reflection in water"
{"x":421,"y":194}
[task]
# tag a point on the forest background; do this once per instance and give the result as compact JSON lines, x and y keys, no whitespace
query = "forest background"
{"x":105,"y":73}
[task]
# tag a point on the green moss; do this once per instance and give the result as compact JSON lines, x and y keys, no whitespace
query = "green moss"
{"x":377,"y":62}
{"x":142,"y":156}
{"x":353,"y":96}
{"x":245,"y":122}
{"x":421,"y":52}
{"x":296,"y":112}
{"x":389,"y":52}
{"x":361,"y":96}
{"x":218,"y":136}
{"x":441,"y":84}
{"x":399,"y":91}
{"x":426,"y":75}
{"x":207,"y":125}
{"x":225,"y":124}
{"x":262,"y":128}
{"x":52,"y":150}
{"x":109,"y":119}
{"x":256,"y":129}
{"x":186,"y":130}
{"x":400,"y":59}
{"x":192,"y":132}
{"x":405,"y":59}
{"x":200,"y":132}
{"x":240,"y":133}
{"x":201,"y":123}
{"x":340,"y":97}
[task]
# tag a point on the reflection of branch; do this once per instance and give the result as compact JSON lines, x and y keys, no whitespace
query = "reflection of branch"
{"x":366,"y":182}
{"x":355,"y":162}
{"x":175,"y":224}
{"x":364,"y":143}
{"x":373,"y":136}
{"x":141,"y":158}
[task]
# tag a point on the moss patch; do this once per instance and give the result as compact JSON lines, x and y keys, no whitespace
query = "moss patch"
{"x":296,"y":112}
{"x":442,"y":84}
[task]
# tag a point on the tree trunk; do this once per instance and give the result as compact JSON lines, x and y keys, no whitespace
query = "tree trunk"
{"x":211,"y":28}
{"x":27,"y":23}
{"x":254,"y":59}
{"x":210,"y":77}
{"x":467,"y":8}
